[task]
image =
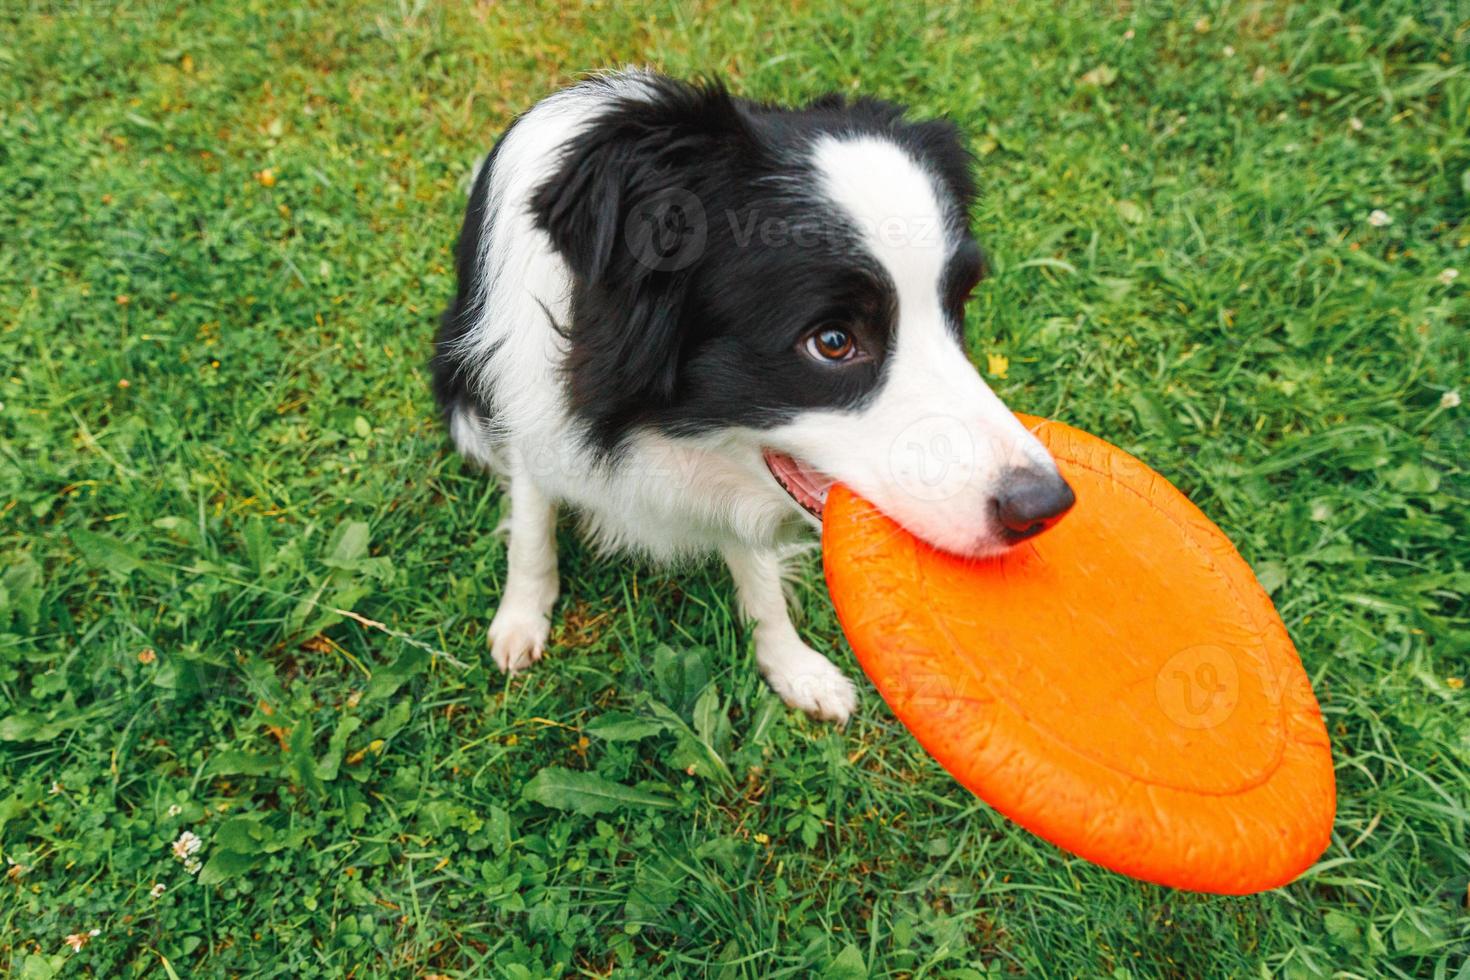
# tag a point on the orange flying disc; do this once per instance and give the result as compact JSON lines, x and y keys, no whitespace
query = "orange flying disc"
{"x":1120,"y":685}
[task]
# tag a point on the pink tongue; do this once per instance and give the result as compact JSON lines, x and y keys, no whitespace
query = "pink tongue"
{"x":807,"y":484}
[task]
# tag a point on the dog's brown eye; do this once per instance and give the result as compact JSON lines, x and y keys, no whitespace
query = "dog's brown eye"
{"x":831,"y":344}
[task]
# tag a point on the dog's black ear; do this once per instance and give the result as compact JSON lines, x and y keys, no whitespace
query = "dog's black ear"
{"x":614,"y":202}
{"x":628,"y":208}
{"x":941,"y":145}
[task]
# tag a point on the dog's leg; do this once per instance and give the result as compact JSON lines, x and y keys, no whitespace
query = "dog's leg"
{"x":800,"y":675}
{"x":522,"y":623}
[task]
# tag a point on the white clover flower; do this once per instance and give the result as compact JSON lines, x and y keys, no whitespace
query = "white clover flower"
{"x":192,"y":866}
{"x":1379,"y":218}
{"x":1228,"y":51}
{"x":186,"y":845}
{"x":1448,"y":276}
{"x":76,"y":941}
{"x":157,"y":890}
{"x":175,"y":810}
{"x":1355,"y":124}
{"x":1450,"y":399}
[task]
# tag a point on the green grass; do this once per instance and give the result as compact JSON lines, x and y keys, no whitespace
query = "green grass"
{"x":224,"y":236}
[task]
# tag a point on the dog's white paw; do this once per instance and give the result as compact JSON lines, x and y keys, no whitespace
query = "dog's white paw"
{"x":517,"y":637}
{"x":806,"y":680}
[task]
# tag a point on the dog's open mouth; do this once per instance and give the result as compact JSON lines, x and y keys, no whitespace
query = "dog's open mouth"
{"x":808,"y":487}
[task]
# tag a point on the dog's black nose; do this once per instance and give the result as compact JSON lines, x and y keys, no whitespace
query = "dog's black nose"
{"x":1031,"y":501}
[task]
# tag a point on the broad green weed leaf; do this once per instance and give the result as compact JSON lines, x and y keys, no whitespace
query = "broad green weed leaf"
{"x":106,"y":552}
{"x":586,"y":793}
{"x":619,"y":726}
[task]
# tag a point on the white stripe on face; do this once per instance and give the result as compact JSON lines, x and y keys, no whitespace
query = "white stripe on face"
{"x":931,"y":447}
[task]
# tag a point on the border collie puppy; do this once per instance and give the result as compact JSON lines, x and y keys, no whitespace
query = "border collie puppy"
{"x":686,"y":314}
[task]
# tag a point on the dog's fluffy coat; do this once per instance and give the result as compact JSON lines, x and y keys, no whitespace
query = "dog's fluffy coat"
{"x":656,"y":280}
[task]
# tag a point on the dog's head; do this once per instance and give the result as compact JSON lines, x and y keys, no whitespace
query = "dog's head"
{"x":796,"y":280}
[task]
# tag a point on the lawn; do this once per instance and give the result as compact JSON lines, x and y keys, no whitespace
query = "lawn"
{"x":248,"y":722}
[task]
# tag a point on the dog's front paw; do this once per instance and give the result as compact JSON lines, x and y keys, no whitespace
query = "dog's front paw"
{"x":807,"y":680}
{"x":517,"y":637}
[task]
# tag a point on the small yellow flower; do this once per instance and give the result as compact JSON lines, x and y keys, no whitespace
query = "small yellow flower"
{"x":266,"y":177}
{"x":762,"y":838}
{"x":998,"y":365}
{"x":1456,"y":683}
{"x":122,"y":299}
{"x":147,"y":656}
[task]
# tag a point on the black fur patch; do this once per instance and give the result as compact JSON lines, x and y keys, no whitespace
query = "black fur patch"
{"x":452,"y":389}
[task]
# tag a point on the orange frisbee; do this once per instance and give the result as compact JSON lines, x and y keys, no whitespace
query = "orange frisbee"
{"x":1120,"y":685}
